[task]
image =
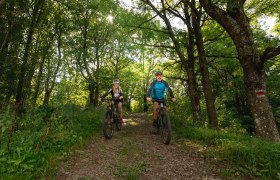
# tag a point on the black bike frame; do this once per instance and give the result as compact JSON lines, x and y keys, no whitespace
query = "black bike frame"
{"x":161,"y":108}
{"x":114,"y":110}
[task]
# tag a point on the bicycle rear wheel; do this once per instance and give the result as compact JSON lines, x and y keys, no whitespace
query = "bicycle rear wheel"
{"x":165,"y":128}
{"x":107,"y":126}
{"x":118,"y":123}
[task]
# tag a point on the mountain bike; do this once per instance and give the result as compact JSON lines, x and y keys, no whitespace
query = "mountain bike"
{"x":163,"y":122}
{"x":112,"y":120}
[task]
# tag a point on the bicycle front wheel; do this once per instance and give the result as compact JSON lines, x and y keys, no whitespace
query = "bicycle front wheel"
{"x":119,"y":126}
{"x":165,"y":128}
{"x":118,"y":123}
{"x":107,"y":126}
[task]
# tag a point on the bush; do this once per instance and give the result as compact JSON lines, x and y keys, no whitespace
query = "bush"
{"x":43,"y":138}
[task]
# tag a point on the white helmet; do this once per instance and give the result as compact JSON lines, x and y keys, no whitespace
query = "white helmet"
{"x":116,"y":81}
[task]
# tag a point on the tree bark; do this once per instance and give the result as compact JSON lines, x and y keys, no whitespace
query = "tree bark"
{"x":38,"y":82}
{"x":146,"y":107}
{"x":96,"y":95}
{"x":31,"y":68}
{"x":22,"y":75}
{"x":47,"y":97}
{"x":236,"y":23}
{"x":97,"y":57}
{"x":49,"y":88}
{"x":91,"y":94}
{"x":190,"y":68}
{"x":206,"y":83}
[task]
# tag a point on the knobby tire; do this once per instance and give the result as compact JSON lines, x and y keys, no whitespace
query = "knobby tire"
{"x":107,"y":126}
{"x":165,"y":128}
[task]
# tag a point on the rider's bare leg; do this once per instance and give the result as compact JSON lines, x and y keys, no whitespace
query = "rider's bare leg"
{"x":155,"y":112}
{"x":120,"y":110}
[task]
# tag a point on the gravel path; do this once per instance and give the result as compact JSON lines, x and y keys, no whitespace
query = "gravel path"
{"x":135,"y":153}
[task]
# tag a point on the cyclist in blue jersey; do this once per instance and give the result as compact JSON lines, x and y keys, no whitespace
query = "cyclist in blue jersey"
{"x":156,"y":92}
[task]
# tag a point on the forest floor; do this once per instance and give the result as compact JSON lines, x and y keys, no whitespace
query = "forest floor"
{"x":135,"y":153}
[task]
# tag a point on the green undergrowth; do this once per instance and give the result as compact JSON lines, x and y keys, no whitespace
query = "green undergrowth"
{"x":42,"y":138}
{"x":245,"y":155}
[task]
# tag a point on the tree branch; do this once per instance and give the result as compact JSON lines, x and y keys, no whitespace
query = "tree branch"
{"x":143,"y":23}
{"x":176,"y":78}
{"x":214,"y":11}
{"x":216,"y":37}
{"x":270,"y":52}
{"x":222,"y":56}
{"x":156,"y":30}
{"x":175,"y":12}
{"x":161,"y":46}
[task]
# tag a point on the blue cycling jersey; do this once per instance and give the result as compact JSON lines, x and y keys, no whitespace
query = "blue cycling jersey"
{"x":156,"y":90}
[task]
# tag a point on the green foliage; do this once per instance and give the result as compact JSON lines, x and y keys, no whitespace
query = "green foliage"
{"x":43,"y":138}
{"x":93,"y":48}
{"x":245,"y":154}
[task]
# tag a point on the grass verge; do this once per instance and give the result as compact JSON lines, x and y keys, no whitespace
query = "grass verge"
{"x":246,"y":155}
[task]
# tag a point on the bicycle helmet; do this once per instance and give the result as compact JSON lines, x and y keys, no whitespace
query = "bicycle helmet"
{"x":116,"y":81}
{"x":158,"y":73}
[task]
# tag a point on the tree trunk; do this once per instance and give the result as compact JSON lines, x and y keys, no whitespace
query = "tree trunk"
{"x":236,"y":23}
{"x":96,"y":95}
{"x":6,"y":40}
{"x":146,"y":107}
{"x":259,"y":104}
{"x":22,"y":75}
{"x":10,"y":26}
{"x":47,"y":83}
{"x":31,"y":69}
{"x":192,"y":85}
{"x":97,"y":57}
{"x":47,"y":97}
{"x":38,"y":81}
{"x":190,"y":68}
{"x":91,"y":96}
{"x":206,"y":83}
{"x":51,"y":78}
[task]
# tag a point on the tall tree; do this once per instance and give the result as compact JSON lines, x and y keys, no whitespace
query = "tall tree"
{"x":234,"y":20}
{"x":51,"y":78}
{"x":37,"y":9}
{"x":189,"y":44}
{"x":11,"y":39}
{"x":207,"y":88}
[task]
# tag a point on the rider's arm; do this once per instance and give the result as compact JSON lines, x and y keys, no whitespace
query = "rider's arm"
{"x":169,"y":90}
{"x":106,"y":94}
{"x":149,"y":92}
{"x":121,"y":92}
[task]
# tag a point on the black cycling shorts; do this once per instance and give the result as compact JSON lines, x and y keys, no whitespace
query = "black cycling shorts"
{"x":117,"y":101}
{"x":157,"y":100}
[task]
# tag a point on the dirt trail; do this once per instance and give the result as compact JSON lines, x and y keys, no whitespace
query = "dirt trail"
{"x":134,"y":153}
